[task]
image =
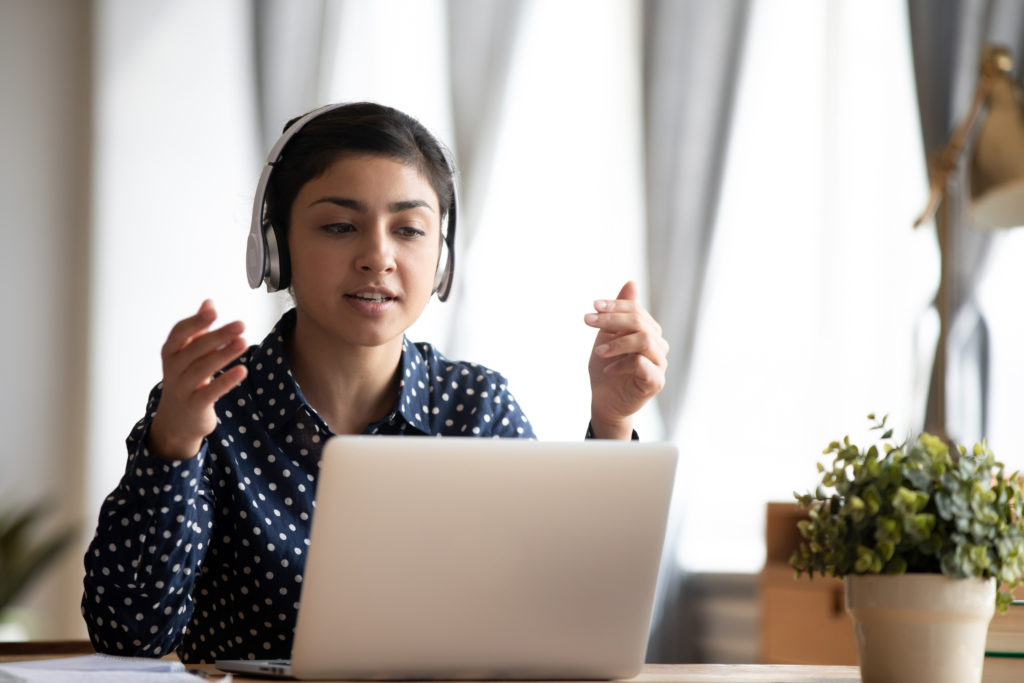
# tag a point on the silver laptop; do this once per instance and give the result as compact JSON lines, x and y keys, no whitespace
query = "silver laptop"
{"x":461,"y":558}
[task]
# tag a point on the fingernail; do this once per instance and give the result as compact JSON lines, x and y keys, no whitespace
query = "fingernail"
{"x":591,"y":318}
{"x":601,"y":305}
{"x":601,"y":350}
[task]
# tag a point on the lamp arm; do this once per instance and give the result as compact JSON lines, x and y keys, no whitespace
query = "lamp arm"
{"x":947,"y":160}
{"x":996,"y":64}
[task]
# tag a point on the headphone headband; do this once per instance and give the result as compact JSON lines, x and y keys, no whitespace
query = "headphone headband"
{"x":258,"y":265}
{"x":266,"y":250}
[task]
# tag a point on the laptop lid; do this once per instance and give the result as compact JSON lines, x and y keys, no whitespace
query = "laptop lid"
{"x":463,"y":558}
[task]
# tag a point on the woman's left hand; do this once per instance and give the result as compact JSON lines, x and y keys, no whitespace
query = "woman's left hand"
{"x":627,"y":364}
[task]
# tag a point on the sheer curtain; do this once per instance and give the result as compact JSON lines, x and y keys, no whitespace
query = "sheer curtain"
{"x":562,"y":219}
{"x":483,"y":38}
{"x":288,"y":43}
{"x":692,"y":54}
{"x":817,"y":282}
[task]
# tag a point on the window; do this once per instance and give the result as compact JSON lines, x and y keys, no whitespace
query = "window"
{"x":818,"y":283}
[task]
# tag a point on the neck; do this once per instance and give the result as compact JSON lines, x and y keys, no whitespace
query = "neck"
{"x":348,"y":386}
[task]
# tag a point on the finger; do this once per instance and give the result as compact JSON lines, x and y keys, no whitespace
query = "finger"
{"x":625,"y":301}
{"x":201,"y":369}
{"x":202,"y":344}
{"x":655,"y":348}
{"x":628,"y":292}
{"x":645,"y":374}
{"x":184,"y":330}
{"x":636,"y":319}
{"x":179,"y":364}
{"x":220,"y":385}
{"x":616,"y":305}
{"x":638,"y":341}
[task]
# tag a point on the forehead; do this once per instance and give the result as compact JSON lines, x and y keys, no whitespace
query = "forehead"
{"x":372,"y":176}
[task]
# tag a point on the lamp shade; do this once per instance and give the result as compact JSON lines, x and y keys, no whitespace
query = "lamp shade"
{"x":997,"y":161}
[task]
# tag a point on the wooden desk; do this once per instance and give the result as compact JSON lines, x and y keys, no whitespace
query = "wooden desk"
{"x":712,"y":673}
{"x":652,"y":673}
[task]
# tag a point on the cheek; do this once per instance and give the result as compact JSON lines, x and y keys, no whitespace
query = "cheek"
{"x":306,"y":263}
{"x":425,"y":261}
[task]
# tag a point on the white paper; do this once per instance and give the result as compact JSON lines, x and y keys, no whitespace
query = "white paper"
{"x":96,"y":668}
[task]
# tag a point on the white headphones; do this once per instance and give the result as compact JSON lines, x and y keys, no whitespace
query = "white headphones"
{"x":266,"y":253}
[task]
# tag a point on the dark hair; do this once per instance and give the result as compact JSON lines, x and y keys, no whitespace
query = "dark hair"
{"x":362,"y":128}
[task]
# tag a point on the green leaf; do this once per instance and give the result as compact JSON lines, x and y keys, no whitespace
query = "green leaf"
{"x":909,"y":502}
{"x":923,"y":505}
{"x":22,"y":556}
{"x":918,"y":527}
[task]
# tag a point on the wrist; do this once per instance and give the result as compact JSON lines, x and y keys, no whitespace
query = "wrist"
{"x":167,"y":447}
{"x":611,"y":429}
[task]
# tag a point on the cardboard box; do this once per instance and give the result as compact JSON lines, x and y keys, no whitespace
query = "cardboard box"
{"x":803,"y":621}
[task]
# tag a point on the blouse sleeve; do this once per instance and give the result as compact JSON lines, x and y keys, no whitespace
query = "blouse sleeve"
{"x":152,"y":534}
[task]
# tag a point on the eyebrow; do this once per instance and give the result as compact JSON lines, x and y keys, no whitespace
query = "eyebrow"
{"x":356,"y":205}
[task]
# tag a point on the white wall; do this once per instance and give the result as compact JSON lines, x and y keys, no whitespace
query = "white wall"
{"x":45,"y":122}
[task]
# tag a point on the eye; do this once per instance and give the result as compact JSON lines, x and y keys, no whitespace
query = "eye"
{"x":338,"y":228}
{"x":411,"y":232}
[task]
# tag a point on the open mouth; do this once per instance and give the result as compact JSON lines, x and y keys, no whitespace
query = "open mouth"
{"x":371,"y":298}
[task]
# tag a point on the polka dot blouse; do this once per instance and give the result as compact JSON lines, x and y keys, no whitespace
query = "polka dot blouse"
{"x":206,"y":556}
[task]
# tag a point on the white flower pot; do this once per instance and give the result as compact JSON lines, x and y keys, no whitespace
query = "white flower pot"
{"x":920,"y":628}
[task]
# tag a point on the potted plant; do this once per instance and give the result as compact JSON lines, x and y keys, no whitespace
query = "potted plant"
{"x":929,"y":540}
{"x":23,"y":556}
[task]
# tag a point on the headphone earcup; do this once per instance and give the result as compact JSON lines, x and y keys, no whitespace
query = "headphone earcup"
{"x":446,"y":262}
{"x":255,"y":258}
{"x":443,"y":266}
{"x":279,"y":274}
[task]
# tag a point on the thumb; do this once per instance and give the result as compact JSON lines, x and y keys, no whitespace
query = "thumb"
{"x":628,"y":291}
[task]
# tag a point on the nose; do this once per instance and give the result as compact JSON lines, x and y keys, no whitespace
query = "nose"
{"x":376,"y":252}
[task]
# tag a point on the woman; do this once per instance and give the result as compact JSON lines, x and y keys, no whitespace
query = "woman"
{"x":201,"y":547}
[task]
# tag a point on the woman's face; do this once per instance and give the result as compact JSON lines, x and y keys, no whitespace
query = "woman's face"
{"x":364,"y":241}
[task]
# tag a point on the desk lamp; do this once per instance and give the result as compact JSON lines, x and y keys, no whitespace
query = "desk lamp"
{"x":996,"y":198}
{"x":997,"y":160}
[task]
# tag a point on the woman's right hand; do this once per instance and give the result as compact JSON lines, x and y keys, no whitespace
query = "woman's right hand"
{"x":191,"y":355}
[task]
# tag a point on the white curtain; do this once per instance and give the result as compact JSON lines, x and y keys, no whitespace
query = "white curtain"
{"x":288,"y":42}
{"x":692,"y":54}
{"x":817,"y":281}
{"x":482,"y":42}
{"x":561,"y":221}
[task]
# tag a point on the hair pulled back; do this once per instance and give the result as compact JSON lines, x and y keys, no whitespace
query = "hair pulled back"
{"x":357,"y":128}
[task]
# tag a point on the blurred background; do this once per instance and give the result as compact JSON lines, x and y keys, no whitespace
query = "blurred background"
{"x":755,"y":165}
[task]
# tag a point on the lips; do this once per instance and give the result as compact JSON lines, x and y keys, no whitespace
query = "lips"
{"x":371,"y":298}
{"x":372,"y":295}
